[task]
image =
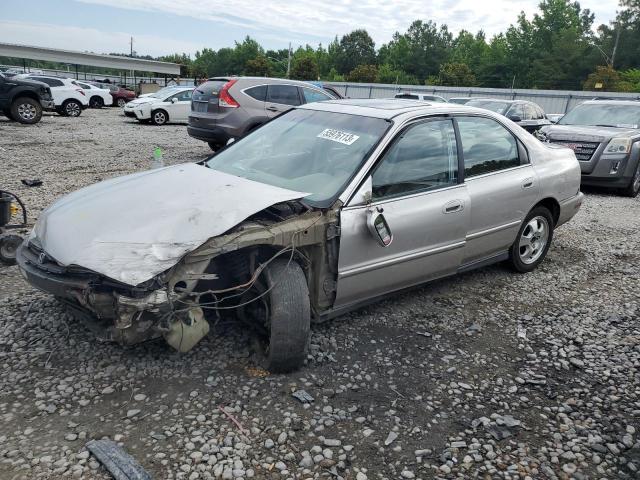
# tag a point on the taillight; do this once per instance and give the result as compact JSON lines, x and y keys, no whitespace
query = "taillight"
{"x":80,"y":90}
{"x":224,"y":98}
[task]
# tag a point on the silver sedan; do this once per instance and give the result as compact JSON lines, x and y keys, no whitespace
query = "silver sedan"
{"x":323,"y":209}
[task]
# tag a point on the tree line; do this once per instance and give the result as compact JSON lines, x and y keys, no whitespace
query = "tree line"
{"x":557,"y":49}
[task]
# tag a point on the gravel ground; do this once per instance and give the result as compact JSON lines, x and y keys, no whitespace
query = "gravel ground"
{"x":487,"y":375}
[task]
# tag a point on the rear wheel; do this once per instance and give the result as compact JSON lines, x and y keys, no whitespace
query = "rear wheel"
{"x":26,"y":110}
{"x":121,"y":102}
{"x":71,"y":108}
{"x":283,"y":316}
{"x":9,"y":243}
{"x":533,"y":241}
{"x":159,"y":117}
{"x":96,"y":102}
{"x":215,"y":146}
{"x":633,"y":188}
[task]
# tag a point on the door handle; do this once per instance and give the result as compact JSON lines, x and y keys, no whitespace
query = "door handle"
{"x":271,"y":108}
{"x":527,"y":183}
{"x":453,"y":206}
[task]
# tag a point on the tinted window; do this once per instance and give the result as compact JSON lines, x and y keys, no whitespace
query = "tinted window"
{"x":424,"y":157}
{"x":434,"y":98}
{"x":210,"y":89}
{"x":52,"y":82}
{"x":407,"y":95}
{"x":82,"y":85}
{"x":314,"y":96}
{"x":604,"y":114}
{"x":283,"y":94}
{"x":486,"y":146}
{"x":259,"y":93}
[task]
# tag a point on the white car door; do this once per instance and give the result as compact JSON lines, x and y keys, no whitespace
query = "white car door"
{"x":179,"y":106}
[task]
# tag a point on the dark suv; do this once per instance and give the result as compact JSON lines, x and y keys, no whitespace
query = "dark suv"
{"x":605,"y":136}
{"x":23,"y":100}
{"x":528,"y":115}
{"x":230,"y":107}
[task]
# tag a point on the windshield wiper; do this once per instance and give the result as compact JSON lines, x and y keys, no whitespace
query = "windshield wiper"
{"x":609,"y":126}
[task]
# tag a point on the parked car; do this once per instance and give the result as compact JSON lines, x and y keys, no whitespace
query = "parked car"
{"x":324,"y":208}
{"x":426,"y":97}
{"x":98,"y":97}
{"x":23,"y":100}
{"x":460,"y":100}
{"x":161,"y":91}
{"x":225,"y":108}
{"x":171,"y":105}
{"x":528,"y":115}
{"x":605,"y":136}
{"x":69,"y":98}
{"x":554,"y":117}
{"x":331,"y":90}
{"x":120,"y":95}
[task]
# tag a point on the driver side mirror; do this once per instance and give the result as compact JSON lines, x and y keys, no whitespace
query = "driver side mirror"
{"x":174,"y":100}
{"x":378,"y":227}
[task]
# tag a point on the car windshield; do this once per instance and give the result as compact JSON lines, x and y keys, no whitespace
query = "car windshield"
{"x":493,"y":105}
{"x":309,"y":151}
{"x":165,"y":92}
{"x":606,"y":115}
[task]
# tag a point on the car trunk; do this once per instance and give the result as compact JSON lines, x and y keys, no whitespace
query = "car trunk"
{"x":205,"y":97}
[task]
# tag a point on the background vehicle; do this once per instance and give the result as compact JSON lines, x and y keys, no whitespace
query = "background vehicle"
{"x":23,"y":100}
{"x":98,"y":97}
{"x":170,"y":105}
{"x":119,"y":94}
{"x":69,"y":98}
{"x":554,"y":117}
{"x":328,"y":88}
{"x":230,"y":107}
{"x":421,"y":96}
{"x":605,"y":135}
{"x":460,"y":100}
{"x":528,"y":115}
{"x":390,"y":203}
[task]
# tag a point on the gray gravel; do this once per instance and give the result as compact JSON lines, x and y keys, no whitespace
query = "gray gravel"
{"x":487,"y":375}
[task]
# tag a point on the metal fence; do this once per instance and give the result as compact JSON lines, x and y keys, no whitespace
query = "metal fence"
{"x":551,"y":101}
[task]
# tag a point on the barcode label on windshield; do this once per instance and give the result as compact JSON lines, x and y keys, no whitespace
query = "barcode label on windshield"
{"x":338,"y":136}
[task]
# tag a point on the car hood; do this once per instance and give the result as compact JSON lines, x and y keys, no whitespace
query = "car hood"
{"x":586,"y":133}
{"x":142,"y":101}
{"x":134,"y":227}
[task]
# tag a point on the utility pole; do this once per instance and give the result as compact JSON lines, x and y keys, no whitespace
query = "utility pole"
{"x":615,"y":45}
{"x":289,"y":60}
{"x":131,"y":43}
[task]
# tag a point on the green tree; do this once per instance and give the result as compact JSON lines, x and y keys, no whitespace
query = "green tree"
{"x":456,"y":75}
{"x":304,"y":67}
{"x":363,"y":73}
{"x":259,"y":67}
{"x":387,"y":74}
{"x":605,"y":78}
{"x":355,"y":48}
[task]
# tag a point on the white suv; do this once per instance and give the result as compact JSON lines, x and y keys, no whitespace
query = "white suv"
{"x":98,"y":97}
{"x":166,"y":105}
{"x":69,"y":99}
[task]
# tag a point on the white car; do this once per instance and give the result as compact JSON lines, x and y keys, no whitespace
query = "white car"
{"x":98,"y":97}
{"x":166,"y":105}
{"x":69,"y":99}
{"x":425,"y":97}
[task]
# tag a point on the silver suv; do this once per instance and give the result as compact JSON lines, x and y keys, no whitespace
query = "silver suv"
{"x":230,"y":107}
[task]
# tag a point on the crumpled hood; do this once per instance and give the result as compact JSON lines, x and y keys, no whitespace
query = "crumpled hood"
{"x":586,"y":133}
{"x":134,"y":227}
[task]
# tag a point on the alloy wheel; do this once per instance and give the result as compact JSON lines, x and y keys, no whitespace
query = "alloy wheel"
{"x":159,"y":118}
{"x":26,"y":111}
{"x":533,"y":240}
{"x":72,"y":109}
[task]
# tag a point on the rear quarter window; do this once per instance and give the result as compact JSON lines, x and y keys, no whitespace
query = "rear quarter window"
{"x":258,"y":93}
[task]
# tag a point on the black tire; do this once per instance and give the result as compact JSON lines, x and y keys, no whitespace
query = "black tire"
{"x":159,"y":117}
{"x":121,"y":102}
{"x":633,"y":188}
{"x":215,"y":146}
{"x":71,"y":108}
{"x":518,"y":259}
{"x":26,"y":110}
{"x":96,"y":102}
{"x":289,"y":317}
{"x":9,"y":243}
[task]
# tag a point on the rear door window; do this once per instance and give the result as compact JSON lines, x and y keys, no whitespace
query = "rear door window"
{"x":311,"y":95}
{"x":258,"y":93}
{"x":283,"y":94}
{"x":52,"y":82}
{"x":407,"y":95}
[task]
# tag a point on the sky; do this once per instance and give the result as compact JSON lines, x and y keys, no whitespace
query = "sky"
{"x":161,"y":27}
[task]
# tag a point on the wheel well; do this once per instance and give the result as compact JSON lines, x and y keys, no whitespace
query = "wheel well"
{"x":71,"y":100}
{"x":96,"y":96}
{"x":160,"y":110}
{"x":552,"y":205}
{"x":26,"y":93}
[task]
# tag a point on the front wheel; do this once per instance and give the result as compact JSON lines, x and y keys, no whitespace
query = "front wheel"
{"x":121,"y":102}
{"x":533,"y":241}
{"x":26,"y":110}
{"x":72,"y":108}
{"x":9,"y":243}
{"x":159,"y":117}
{"x":633,"y":188}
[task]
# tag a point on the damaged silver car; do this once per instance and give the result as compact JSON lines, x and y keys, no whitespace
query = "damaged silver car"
{"x":323,"y":209}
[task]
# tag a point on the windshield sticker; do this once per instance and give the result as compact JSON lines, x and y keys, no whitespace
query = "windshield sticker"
{"x":338,"y":136}
{"x":626,"y":125}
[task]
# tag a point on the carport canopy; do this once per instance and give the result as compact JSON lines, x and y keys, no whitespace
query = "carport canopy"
{"x":89,"y":59}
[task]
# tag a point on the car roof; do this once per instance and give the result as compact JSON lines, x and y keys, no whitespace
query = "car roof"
{"x":635,"y":103}
{"x":386,"y":108}
{"x":266,"y":80}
